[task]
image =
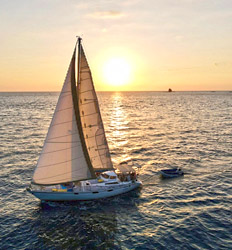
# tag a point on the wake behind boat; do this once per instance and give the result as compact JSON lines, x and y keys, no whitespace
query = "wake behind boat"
{"x":75,"y":162}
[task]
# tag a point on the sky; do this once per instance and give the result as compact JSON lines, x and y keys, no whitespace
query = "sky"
{"x":185,"y":45}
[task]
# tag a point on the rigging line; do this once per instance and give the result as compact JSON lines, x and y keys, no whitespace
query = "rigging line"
{"x":62,"y":141}
{"x":86,"y":103}
{"x":60,"y":123}
{"x":86,"y":99}
{"x":61,"y":174}
{"x":59,"y":150}
{"x":62,"y":136}
{"x":63,"y":96}
{"x":84,"y":67}
{"x":84,"y":79}
{"x":99,"y":155}
{"x":68,"y":91}
{"x":101,"y":144}
{"x":85,"y":71}
{"x":105,"y":152}
{"x":93,"y":136}
{"x":90,"y":126}
{"x":60,"y":162}
{"x":98,"y":149}
{"x":89,"y":114}
{"x":63,"y":109}
{"x":86,"y":91}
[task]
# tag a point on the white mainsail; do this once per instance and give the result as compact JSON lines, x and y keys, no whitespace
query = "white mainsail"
{"x":63,"y":158}
{"x":91,"y":120}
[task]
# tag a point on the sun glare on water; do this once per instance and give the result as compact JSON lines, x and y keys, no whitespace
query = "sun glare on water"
{"x":117,"y":71}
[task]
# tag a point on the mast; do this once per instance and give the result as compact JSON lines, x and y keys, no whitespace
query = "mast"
{"x":79,"y":62}
{"x":75,"y":95}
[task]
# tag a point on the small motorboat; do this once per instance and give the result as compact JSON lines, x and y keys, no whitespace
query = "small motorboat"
{"x":170,"y":173}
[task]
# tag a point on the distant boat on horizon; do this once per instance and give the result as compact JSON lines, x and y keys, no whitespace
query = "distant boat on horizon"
{"x":169,"y":90}
{"x":75,"y":162}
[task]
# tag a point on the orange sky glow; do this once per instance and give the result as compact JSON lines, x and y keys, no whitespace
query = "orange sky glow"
{"x":131,"y":45}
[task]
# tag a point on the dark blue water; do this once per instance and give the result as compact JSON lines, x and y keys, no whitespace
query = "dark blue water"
{"x":191,"y":130}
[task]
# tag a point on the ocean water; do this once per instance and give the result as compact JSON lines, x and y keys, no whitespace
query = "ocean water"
{"x":191,"y":130}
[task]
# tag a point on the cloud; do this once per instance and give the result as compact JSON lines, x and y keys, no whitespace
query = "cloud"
{"x":112,"y":14}
{"x":184,"y":68}
{"x":223,"y":64}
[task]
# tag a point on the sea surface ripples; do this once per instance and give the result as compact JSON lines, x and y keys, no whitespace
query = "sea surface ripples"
{"x":191,"y":130}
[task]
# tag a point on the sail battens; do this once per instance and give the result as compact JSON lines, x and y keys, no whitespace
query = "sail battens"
{"x":93,"y":99}
{"x":84,"y":67}
{"x":86,"y":103}
{"x":62,"y":142}
{"x":83,"y":79}
{"x":62,"y":174}
{"x":89,"y":114}
{"x":60,"y":162}
{"x":67,"y":95}
{"x":55,"y":151}
{"x":93,"y":136}
{"x":91,"y":125}
{"x":101,"y":148}
{"x":64,"y":92}
{"x":98,"y":154}
{"x":63,"y":109}
{"x":86,"y":91}
{"x":63,"y":136}
{"x":56,"y":124}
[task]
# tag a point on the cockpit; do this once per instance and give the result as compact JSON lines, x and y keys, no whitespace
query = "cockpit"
{"x":108,"y":176}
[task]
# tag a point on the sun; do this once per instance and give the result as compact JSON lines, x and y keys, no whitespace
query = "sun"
{"x":117,"y":71}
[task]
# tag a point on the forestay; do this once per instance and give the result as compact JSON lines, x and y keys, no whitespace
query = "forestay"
{"x":91,"y":120}
{"x":62,"y":158}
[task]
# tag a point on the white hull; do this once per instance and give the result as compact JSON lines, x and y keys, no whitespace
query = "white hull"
{"x":92,"y":194}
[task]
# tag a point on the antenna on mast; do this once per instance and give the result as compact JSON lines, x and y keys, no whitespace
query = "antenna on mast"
{"x":79,"y":39}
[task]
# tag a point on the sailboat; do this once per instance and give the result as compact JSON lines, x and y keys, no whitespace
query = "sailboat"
{"x":75,"y":162}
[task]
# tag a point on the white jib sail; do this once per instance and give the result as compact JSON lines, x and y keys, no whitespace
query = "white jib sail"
{"x":91,"y":120}
{"x":62,"y":158}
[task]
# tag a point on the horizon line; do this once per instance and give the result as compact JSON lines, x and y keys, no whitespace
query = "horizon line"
{"x":53,"y":91}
